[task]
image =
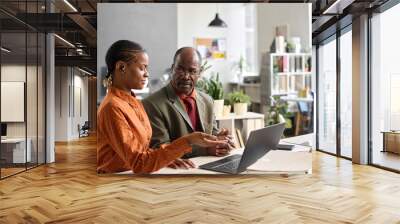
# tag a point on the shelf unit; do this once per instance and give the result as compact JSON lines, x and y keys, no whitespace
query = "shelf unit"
{"x":289,"y":72}
{"x":245,"y":123}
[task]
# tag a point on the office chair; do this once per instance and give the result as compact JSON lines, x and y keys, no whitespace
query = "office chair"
{"x":84,"y":130}
{"x":305,"y":117}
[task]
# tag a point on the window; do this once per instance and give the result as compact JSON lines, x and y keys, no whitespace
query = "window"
{"x":327,"y":97}
{"x":250,"y":27}
{"x":346,"y":94}
{"x":22,"y":75}
{"x":385,"y":88}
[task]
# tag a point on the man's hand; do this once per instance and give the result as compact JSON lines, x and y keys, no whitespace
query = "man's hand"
{"x":219,"y":151}
{"x":181,"y":164}
{"x":225,"y":135}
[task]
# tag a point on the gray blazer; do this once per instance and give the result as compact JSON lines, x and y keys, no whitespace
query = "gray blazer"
{"x":169,"y":119}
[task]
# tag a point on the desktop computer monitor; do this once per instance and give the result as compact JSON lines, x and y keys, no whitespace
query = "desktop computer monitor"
{"x":3,"y":130}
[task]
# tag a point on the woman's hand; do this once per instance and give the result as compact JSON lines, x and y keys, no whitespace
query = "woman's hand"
{"x":181,"y":164}
{"x":205,"y":140}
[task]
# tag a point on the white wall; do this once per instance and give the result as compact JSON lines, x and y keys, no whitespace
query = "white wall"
{"x":61,"y":103}
{"x":153,"y":26}
{"x":80,"y":83}
{"x":14,"y":72}
{"x":67,"y":116}
{"x":193,"y":20}
{"x":270,"y":15}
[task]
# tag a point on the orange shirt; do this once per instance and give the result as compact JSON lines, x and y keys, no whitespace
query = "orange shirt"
{"x":123,"y":137}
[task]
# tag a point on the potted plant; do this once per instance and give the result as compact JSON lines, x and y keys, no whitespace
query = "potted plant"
{"x":204,"y":67}
{"x":227,"y":108}
{"x":278,"y":112}
{"x":290,"y":47}
{"x":240,"y":102}
{"x":214,"y":88}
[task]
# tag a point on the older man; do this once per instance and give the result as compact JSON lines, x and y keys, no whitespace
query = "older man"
{"x":178,"y":109}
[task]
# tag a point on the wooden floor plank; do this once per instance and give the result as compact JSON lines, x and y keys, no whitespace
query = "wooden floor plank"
{"x":70,"y":191}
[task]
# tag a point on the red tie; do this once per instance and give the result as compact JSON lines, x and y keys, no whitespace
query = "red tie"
{"x":191,"y":110}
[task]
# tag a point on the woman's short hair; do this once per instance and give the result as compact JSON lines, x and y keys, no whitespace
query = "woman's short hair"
{"x":121,"y":50}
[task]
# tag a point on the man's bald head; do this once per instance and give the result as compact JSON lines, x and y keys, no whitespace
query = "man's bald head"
{"x":187,"y":51}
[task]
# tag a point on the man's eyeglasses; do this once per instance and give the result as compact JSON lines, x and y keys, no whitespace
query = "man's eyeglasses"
{"x":182,"y":71}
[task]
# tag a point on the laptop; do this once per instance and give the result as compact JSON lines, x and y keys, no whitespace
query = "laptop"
{"x":260,"y":142}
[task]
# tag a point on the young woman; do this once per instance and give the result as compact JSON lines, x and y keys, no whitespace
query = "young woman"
{"x":123,"y":128}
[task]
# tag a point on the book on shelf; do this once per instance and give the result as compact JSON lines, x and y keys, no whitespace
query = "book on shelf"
{"x":292,"y":64}
{"x":236,"y":139}
{"x":239,"y":139}
{"x":285,"y":65}
{"x":298,"y":64}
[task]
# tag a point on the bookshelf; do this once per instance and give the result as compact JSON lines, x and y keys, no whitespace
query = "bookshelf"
{"x":289,"y":73}
{"x":283,"y":74}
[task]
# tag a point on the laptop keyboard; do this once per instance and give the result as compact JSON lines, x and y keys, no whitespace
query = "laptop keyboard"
{"x":230,"y":166}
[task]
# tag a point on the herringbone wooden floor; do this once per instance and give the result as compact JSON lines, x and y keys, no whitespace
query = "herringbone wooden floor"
{"x":70,"y":191}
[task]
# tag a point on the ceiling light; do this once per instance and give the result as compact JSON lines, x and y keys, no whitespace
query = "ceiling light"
{"x":70,"y":5}
{"x":65,"y":41}
{"x":217,"y":22}
{"x":5,"y":50}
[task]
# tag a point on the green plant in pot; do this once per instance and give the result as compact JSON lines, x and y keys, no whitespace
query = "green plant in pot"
{"x":240,"y":101}
{"x":278,"y":112}
{"x":214,"y":88}
{"x":204,"y":67}
{"x":290,"y":47}
{"x":227,"y":107}
{"x":202,"y":83}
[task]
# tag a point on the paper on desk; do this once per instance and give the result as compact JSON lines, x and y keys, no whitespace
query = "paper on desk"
{"x":284,"y":161}
{"x":301,"y":148}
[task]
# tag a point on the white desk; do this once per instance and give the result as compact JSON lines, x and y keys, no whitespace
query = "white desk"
{"x":297,"y":161}
{"x":13,"y":150}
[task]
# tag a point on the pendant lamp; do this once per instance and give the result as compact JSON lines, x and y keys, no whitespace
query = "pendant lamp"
{"x":217,"y":22}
